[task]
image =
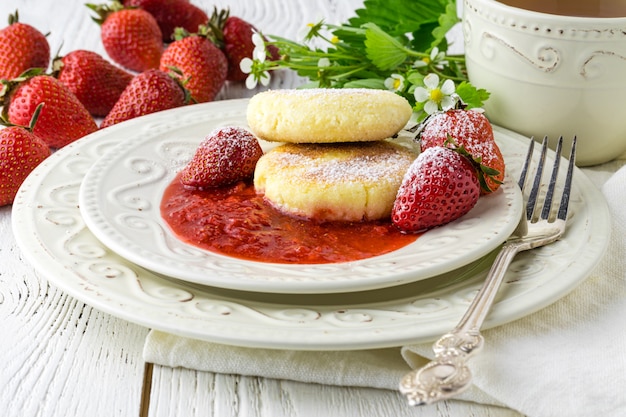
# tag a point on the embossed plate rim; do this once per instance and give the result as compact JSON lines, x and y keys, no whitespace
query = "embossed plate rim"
{"x":121,"y":194}
{"x":50,"y":232}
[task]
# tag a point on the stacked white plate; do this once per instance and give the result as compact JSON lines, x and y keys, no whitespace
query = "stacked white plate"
{"x":89,"y":219}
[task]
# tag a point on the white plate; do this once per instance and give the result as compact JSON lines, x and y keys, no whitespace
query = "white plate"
{"x":50,"y":231}
{"x":120,"y":201}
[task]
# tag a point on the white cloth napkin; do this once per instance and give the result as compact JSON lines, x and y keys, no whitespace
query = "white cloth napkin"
{"x":565,"y":360}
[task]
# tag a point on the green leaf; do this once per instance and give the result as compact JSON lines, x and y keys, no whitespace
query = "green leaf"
{"x":415,"y":78}
{"x":472,"y":96}
{"x":446,"y":21}
{"x":385,"y":51}
{"x":423,"y":37}
{"x":375,"y":83}
{"x":399,"y":17}
{"x":353,"y":37}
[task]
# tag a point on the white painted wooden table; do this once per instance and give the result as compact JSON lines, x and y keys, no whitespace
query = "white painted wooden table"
{"x":60,"y":357}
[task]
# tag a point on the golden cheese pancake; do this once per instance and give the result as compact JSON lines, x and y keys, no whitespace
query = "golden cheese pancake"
{"x":333,"y":182}
{"x":322,"y":115}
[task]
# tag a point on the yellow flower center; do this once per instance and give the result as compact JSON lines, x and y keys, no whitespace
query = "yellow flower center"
{"x":334,"y":39}
{"x":396,"y":83}
{"x":436,"y":95}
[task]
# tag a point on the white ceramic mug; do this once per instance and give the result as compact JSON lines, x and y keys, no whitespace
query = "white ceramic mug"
{"x":550,"y":74}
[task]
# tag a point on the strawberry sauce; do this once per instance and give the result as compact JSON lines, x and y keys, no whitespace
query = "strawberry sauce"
{"x":235,"y":221}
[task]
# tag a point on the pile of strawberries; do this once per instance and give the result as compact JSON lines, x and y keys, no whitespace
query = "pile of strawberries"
{"x":164,"y":54}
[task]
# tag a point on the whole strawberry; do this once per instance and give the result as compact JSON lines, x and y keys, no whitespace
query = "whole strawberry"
{"x":63,"y":118}
{"x":234,"y":36}
{"x":471,"y":130}
{"x":172,"y":14}
{"x":21,"y":47}
{"x":149,"y":92}
{"x":227,"y":155}
{"x":200,"y":62}
{"x":130,"y":36}
{"x":96,"y":82}
{"x":20,"y":153}
{"x":439,"y":187}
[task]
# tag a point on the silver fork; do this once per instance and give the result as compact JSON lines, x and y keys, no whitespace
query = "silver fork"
{"x":447,"y":375}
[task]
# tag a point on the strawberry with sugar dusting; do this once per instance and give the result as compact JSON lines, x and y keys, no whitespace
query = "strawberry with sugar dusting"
{"x":227,"y":155}
{"x":471,"y":130}
{"x":440,"y":186}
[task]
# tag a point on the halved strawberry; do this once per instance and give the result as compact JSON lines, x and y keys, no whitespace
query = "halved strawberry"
{"x":440,"y":186}
{"x":225,"y":156}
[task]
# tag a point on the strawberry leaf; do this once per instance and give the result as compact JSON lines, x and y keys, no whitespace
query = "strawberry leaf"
{"x":482,"y":171}
{"x":398,"y":17}
{"x":472,"y":97}
{"x":385,"y":51}
{"x":446,"y":21}
{"x":375,"y":83}
{"x":35,"y":117}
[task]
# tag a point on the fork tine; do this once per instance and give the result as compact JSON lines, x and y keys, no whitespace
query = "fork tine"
{"x":547,"y":204}
{"x":534,"y":192}
{"x":529,"y":157}
{"x":567,"y":188}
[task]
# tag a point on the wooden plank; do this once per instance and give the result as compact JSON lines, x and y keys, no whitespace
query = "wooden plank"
{"x":59,"y":356}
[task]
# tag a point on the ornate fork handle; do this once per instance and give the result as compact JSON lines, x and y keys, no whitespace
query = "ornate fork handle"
{"x":447,"y":375}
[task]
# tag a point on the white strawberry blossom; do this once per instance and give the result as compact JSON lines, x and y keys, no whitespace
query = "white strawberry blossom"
{"x":259,"y":51}
{"x":436,"y":97}
{"x":254,"y":66}
{"x":395,"y":82}
{"x":323,"y":63}
{"x":247,"y":66}
{"x":435,"y":59}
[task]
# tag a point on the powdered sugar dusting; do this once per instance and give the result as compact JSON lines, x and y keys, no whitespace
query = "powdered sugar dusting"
{"x":473,"y":131}
{"x":337,"y":163}
{"x":226,"y":155}
{"x":472,"y":126}
{"x":436,"y":158}
{"x":236,"y":144}
{"x":327,"y":115}
{"x":329,"y":92}
{"x":439,"y":187}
